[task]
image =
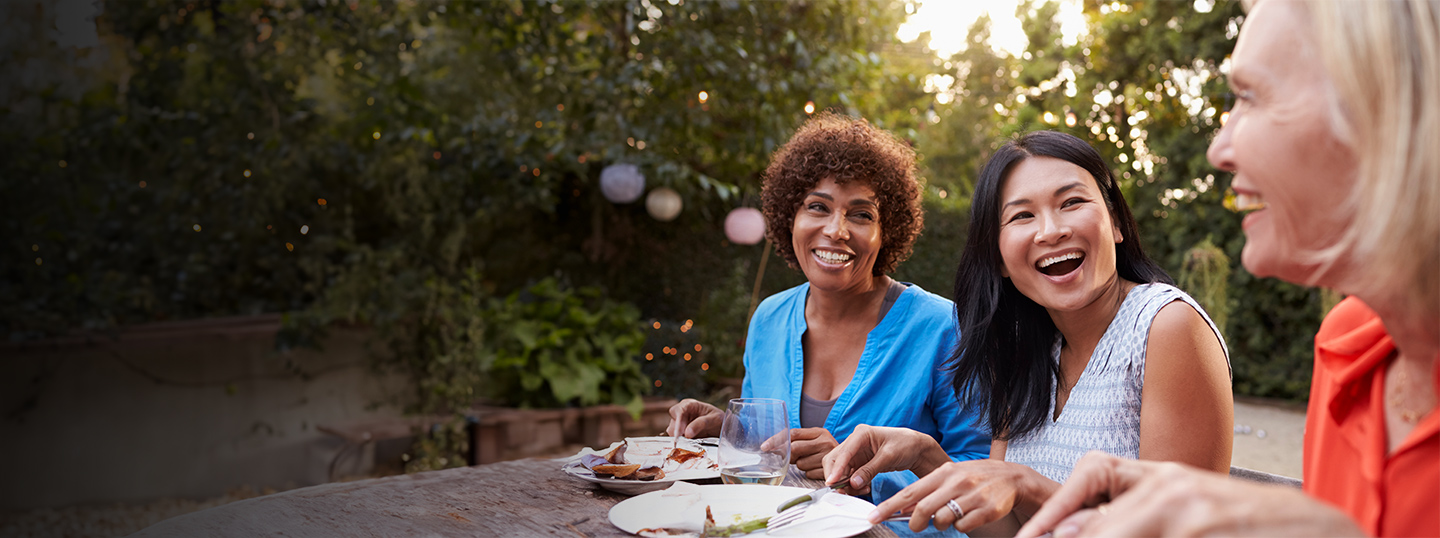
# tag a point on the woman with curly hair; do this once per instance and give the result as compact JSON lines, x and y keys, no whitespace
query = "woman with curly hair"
{"x":851,"y":346}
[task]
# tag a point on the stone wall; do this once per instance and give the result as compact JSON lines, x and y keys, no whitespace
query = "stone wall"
{"x":185,"y":409}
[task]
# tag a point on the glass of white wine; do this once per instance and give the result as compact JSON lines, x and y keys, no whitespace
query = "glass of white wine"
{"x":755,"y":442}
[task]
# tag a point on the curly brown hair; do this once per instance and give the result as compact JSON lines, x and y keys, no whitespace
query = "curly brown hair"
{"x":845,"y":149}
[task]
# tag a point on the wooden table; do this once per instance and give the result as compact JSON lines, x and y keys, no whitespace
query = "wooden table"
{"x":514,"y":498}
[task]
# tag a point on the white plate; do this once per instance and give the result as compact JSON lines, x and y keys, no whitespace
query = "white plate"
{"x":683,"y":507}
{"x":574,"y":468}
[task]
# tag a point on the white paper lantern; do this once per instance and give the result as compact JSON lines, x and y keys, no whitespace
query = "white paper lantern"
{"x":745,"y":226}
{"x":622,"y":183}
{"x":663,"y":204}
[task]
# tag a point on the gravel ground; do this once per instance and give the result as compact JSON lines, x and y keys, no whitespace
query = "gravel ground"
{"x":1267,"y":438}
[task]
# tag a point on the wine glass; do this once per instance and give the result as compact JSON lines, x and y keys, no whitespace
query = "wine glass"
{"x":754,"y":442}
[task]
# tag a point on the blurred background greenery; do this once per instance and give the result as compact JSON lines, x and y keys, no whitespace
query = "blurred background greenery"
{"x":431,"y":170}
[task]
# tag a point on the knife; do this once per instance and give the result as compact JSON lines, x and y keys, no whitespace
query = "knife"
{"x":810,"y":497}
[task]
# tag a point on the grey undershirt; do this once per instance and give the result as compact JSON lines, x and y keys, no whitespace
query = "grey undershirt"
{"x":813,"y":413}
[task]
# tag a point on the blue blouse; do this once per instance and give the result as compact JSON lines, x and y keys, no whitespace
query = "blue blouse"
{"x":899,"y":382}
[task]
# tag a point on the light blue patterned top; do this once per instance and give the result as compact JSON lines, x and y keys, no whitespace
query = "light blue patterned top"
{"x":1103,"y":411}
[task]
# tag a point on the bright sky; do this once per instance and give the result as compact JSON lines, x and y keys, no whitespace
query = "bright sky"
{"x":949,"y":20}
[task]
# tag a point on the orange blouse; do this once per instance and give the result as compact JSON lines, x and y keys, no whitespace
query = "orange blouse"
{"x":1346,"y":464}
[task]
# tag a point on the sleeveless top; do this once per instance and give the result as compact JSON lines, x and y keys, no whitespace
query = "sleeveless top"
{"x":1103,"y":411}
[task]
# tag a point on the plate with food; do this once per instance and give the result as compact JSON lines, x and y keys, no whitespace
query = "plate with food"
{"x":687,"y":509}
{"x":641,"y":464}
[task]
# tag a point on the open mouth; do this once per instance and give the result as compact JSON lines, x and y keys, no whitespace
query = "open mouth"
{"x":832,"y":257}
{"x":1244,"y":202}
{"x":1061,"y":265}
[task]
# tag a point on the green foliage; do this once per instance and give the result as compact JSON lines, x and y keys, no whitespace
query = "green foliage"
{"x":556,"y":347}
{"x":453,"y":140}
{"x":443,"y":447}
{"x":1145,"y":87}
{"x":1206,"y":275}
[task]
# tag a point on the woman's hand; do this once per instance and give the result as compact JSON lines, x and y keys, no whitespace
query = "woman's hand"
{"x":694,"y":418}
{"x":871,"y":450}
{"x":1151,"y":498}
{"x":984,"y":490}
{"x":808,"y":447}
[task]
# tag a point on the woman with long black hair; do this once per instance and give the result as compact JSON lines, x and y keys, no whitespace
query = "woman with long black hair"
{"x":1072,"y":340}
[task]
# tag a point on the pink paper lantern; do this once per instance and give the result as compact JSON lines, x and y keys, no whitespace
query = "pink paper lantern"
{"x":745,"y":226}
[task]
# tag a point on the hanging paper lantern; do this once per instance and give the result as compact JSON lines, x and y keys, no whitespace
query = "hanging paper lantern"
{"x":745,"y":226}
{"x":663,"y":204}
{"x":622,"y":183}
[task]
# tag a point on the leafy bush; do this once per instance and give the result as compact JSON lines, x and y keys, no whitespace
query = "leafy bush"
{"x":555,"y":347}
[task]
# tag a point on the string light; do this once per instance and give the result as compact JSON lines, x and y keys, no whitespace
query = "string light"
{"x":247,"y":172}
{"x":289,"y":247}
{"x":249,"y":136}
{"x":657,"y":382}
{"x":687,"y":357}
{"x":704,"y":96}
{"x":705,"y":366}
{"x":697,"y":347}
{"x":809,"y":107}
{"x":539,"y":124}
{"x":196,"y":227}
{"x":142,"y":184}
{"x":560,"y":107}
{"x":34,"y":248}
{"x":38,"y":261}
{"x":649,"y":356}
{"x":436,"y":155}
{"x":320,"y":201}
{"x":375,"y":135}
{"x":657,"y":325}
{"x":304,"y":229}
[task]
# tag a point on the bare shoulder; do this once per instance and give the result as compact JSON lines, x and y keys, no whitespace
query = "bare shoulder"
{"x":1180,"y":332}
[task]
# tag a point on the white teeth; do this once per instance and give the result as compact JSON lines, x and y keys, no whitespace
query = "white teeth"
{"x":1047,"y":262}
{"x":1249,"y":202}
{"x":832,"y":257}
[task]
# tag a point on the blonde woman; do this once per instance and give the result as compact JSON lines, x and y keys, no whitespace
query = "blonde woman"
{"x":1335,"y":146}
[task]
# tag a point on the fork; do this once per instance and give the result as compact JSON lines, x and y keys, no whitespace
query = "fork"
{"x":798,"y":514}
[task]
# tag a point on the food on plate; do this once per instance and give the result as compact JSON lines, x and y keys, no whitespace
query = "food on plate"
{"x":680,"y":455}
{"x":647,"y":459}
{"x":617,"y":471}
{"x":743,"y":527}
{"x":711,"y":529}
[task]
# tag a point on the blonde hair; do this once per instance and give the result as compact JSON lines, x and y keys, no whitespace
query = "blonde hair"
{"x":1383,"y":59}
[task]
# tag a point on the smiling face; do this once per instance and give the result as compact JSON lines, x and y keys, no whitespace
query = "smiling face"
{"x":1291,"y":171}
{"x":836,"y":236}
{"x":1057,"y":238}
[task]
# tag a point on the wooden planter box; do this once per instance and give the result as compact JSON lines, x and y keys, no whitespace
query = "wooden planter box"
{"x":501,"y":434}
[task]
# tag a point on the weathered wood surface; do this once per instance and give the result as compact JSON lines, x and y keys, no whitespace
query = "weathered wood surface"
{"x":515,"y":498}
